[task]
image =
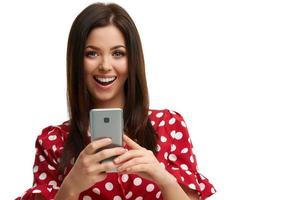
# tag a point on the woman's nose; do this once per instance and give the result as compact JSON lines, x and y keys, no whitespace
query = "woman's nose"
{"x":105,"y":65}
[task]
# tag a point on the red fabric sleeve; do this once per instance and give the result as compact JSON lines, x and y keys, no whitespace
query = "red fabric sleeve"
{"x":46,"y":179}
{"x":182,"y":161}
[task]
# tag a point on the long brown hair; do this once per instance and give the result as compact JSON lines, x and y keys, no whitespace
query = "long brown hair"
{"x":136,"y":122}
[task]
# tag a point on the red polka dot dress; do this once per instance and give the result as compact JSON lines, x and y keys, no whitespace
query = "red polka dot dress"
{"x":174,"y":152}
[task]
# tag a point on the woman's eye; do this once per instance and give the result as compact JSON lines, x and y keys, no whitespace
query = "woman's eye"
{"x":118,"y":54}
{"x":91,"y":54}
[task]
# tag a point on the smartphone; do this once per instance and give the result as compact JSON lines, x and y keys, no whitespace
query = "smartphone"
{"x":107,"y":123}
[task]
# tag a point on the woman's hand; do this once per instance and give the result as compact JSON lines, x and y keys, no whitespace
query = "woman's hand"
{"x":87,"y":169}
{"x":143,"y":162}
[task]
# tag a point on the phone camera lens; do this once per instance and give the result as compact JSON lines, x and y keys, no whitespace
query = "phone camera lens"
{"x":106,"y":119}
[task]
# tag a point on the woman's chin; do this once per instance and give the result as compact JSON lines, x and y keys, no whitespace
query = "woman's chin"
{"x":102,"y":101}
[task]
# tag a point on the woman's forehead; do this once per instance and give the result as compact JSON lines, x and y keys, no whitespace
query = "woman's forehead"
{"x":107,"y":36}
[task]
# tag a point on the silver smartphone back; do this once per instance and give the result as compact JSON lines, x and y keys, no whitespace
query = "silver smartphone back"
{"x":107,"y":123}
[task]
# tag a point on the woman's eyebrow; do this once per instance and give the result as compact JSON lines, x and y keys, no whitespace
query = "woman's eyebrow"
{"x":92,"y":47}
{"x":117,"y":46}
{"x":112,"y":48}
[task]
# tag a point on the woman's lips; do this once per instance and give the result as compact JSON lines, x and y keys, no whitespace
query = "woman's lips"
{"x":105,"y":81}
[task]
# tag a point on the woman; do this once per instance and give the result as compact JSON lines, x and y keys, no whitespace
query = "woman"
{"x":105,"y":69}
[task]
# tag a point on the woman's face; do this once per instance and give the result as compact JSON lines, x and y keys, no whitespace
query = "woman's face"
{"x":105,"y":66}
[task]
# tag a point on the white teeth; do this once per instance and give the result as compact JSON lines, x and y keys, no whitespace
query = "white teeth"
{"x":105,"y":80}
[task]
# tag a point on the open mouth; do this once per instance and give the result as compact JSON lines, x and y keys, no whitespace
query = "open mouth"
{"x":105,"y":80}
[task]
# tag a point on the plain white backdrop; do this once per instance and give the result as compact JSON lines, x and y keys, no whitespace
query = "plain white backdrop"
{"x":231,"y":68}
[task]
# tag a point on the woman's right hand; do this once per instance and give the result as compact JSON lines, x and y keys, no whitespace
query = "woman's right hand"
{"x":87,"y":169}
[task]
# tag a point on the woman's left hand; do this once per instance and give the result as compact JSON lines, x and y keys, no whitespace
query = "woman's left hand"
{"x":143,"y":162}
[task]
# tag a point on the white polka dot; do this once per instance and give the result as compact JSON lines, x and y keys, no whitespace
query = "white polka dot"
{"x":192,"y":186}
{"x":172,"y":157}
{"x":117,"y":197}
{"x":150,"y":188}
{"x":184,"y":150}
{"x":202,"y":177}
{"x":159,"y":115}
{"x":109,"y":186}
{"x":87,"y":197}
{"x":189,"y":140}
{"x":183,"y":124}
{"x":41,"y":158}
{"x":46,"y":153}
{"x":166,"y":155}
{"x":213,"y":190}
{"x":172,"y":112}
{"x":124,"y":178}
{"x":173,"y":134}
{"x":43,"y":176}
{"x":184,"y":166}
{"x":192,"y":158}
{"x":149,"y":112}
{"x":182,"y":178}
{"x":202,"y":186}
{"x":153,"y":123}
{"x":163,"y":139}
{"x":158,"y":194}
{"x":128,"y":195}
{"x":157,"y":148}
{"x":40,"y":142}
{"x":137,"y":181}
{"x":162,"y":123}
{"x":53,"y":183}
{"x":173,"y":147}
{"x":51,"y":167}
{"x":35,"y":169}
{"x":172,"y":121}
{"x":178,"y":135}
{"x":52,"y":137}
{"x":96,"y":191}
{"x":188,"y":172}
{"x":162,"y":164}
{"x":54,"y":148}
{"x":52,"y":130}
{"x":139,"y":198}
{"x":36,"y":191}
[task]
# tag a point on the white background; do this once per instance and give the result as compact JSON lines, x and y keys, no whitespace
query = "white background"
{"x":231,"y":68}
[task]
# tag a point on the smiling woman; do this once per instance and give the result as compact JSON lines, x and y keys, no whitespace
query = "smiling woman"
{"x":105,"y":69}
{"x":105,"y":66}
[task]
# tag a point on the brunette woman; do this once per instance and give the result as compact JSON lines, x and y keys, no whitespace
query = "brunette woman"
{"x":105,"y":69}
